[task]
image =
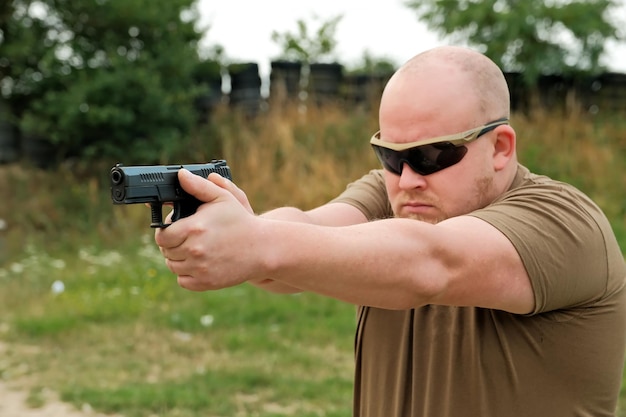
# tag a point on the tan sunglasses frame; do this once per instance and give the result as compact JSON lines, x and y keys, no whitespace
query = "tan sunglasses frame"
{"x":455,"y":139}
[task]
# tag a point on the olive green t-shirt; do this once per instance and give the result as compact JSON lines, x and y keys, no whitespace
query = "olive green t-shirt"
{"x":564,"y":359}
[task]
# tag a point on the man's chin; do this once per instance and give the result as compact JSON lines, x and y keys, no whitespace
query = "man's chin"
{"x":423,"y":217}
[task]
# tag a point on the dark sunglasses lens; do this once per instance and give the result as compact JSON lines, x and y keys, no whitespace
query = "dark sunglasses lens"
{"x":424,"y":160}
{"x":389,"y":159}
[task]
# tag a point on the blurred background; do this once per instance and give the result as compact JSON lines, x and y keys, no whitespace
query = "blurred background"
{"x":286,"y":92}
{"x":385,"y":28}
{"x":105,"y":78}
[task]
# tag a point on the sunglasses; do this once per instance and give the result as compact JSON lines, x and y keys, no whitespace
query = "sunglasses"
{"x":431,"y":155}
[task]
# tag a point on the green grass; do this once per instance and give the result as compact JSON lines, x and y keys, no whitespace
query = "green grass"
{"x":124,"y":338}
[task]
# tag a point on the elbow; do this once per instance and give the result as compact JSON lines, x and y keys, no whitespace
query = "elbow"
{"x":415,"y":293}
{"x":426,"y":288}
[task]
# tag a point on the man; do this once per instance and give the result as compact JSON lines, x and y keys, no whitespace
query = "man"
{"x":484,"y":290}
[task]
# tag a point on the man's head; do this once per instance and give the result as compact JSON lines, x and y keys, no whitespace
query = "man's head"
{"x":448,"y":94}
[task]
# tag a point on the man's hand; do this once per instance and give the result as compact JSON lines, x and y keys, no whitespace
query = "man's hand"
{"x":199,"y":248}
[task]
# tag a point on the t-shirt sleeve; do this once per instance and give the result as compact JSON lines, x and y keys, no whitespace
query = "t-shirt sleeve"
{"x":369,"y":195}
{"x":560,"y":236}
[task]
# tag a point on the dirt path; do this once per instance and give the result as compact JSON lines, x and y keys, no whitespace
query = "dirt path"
{"x":13,"y":404}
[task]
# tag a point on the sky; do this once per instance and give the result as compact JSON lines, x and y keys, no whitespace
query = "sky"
{"x":384,"y":28}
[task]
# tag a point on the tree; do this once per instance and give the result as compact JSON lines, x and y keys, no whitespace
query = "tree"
{"x":309,"y":47}
{"x":530,"y":36}
{"x":105,"y":78}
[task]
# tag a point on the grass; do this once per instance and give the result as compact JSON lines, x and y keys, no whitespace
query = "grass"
{"x":88,"y":309}
{"x":124,"y":338}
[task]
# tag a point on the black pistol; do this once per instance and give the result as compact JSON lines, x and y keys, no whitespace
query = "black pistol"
{"x":159,"y":184}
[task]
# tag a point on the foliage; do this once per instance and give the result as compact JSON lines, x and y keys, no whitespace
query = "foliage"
{"x":531,"y":36}
{"x":101,"y":78}
{"x":308,"y":47}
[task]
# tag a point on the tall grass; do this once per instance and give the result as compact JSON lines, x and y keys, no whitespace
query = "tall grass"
{"x":587,"y":152}
{"x":88,"y":308}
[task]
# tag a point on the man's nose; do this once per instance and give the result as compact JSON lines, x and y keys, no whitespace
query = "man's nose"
{"x":410,"y":179}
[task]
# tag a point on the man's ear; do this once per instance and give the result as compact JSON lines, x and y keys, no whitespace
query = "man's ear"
{"x":504,"y":146}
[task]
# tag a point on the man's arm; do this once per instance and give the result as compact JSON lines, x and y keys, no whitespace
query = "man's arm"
{"x":332,"y":214}
{"x":393,"y":263}
{"x":401,"y":263}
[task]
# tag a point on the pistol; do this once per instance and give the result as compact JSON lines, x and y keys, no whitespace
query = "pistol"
{"x":159,"y":184}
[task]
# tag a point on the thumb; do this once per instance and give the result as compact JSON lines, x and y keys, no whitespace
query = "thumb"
{"x":198,"y":186}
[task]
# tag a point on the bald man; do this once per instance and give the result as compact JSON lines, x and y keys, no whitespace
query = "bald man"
{"x":483,"y":289}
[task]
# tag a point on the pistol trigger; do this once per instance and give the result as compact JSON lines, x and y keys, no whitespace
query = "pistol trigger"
{"x":178,"y":209}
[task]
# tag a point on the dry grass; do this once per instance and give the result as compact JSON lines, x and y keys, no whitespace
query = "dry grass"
{"x":295,"y":157}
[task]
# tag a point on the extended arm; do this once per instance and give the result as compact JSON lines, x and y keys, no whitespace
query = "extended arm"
{"x":394,"y":263}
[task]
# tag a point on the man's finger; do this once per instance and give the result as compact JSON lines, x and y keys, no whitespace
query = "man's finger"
{"x":203,"y":190}
{"x":230,"y":186}
{"x":223,"y":182}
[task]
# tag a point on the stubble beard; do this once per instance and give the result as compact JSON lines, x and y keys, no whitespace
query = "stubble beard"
{"x":482,"y":198}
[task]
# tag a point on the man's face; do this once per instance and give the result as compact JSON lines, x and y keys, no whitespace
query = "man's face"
{"x":439,"y":101}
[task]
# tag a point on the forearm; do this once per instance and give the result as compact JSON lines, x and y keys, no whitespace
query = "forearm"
{"x":284,"y":214}
{"x":332,"y":214}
